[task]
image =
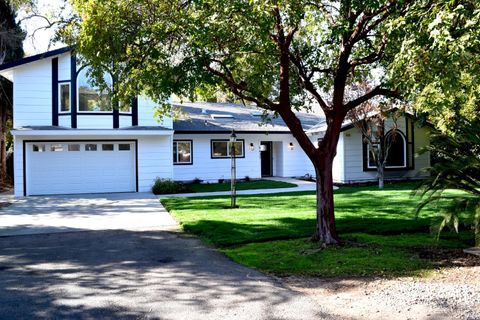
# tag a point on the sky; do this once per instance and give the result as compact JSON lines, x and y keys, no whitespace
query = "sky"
{"x":38,"y":39}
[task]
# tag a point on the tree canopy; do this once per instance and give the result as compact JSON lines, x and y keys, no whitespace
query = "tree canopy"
{"x":437,"y":66}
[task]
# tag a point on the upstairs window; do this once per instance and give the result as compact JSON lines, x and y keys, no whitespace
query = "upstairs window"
{"x":64,"y":97}
{"x":90,"y":97}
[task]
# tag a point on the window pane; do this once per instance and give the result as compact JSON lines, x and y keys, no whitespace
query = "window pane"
{"x":124,"y":147}
{"x":396,"y":152}
{"x":38,"y":148}
{"x":90,"y":97}
{"x":219,"y":149}
{"x":90,"y":147}
{"x":107,"y":147}
{"x":56,"y":147}
{"x":73,"y":147}
{"x":64,"y":97}
{"x":125,"y":108}
{"x":236,"y":148}
{"x":184,"y":152}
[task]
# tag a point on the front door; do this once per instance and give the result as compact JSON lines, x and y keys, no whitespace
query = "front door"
{"x":266,"y":158}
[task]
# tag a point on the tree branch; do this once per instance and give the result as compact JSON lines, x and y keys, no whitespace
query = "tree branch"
{"x":377,"y":91}
{"x":296,"y":60}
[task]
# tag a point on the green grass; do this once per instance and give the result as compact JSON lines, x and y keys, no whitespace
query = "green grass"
{"x":242,"y":185}
{"x":269,"y":232}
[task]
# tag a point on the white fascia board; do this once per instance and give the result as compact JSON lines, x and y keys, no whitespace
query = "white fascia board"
{"x":86,"y":132}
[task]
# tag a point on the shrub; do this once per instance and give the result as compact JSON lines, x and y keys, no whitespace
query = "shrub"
{"x":247,"y":178}
{"x":197,"y":181}
{"x":167,"y":186}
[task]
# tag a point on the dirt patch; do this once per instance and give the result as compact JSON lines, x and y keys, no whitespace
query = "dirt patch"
{"x":450,"y":293}
{"x":449,"y":257}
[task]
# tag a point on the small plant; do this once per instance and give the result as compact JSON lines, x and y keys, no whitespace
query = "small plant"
{"x":221,"y":180}
{"x":197,"y":181}
{"x":167,"y":186}
{"x":247,"y":178}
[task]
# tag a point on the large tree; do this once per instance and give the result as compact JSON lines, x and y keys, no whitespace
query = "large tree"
{"x":437,"y":66}
{"x":281,"y":55}
{"x":11,"y":40}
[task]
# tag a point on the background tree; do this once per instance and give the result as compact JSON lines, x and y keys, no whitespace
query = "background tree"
{"x":11,"y":39}
{"x":437,"y":67}
{"x":281,"y":55}
{"x":378,"y":126}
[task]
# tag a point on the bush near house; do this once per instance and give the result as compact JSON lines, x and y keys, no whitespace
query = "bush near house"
{"x":167,"y":186}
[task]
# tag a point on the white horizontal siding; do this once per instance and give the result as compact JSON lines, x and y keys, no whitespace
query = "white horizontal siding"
{"x":339,"y":161}
{"x":155,"y":160}
{"x":353,"y":156}
{"x":146,"y":114}
{"x":64,"y":67}
{"x":286,"y":162}
{"x":32,"y":94}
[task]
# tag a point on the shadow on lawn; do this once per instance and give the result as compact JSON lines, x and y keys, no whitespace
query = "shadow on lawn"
{"x":224,"y":233}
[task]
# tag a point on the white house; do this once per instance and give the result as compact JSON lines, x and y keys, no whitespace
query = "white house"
{"x":68,"y":139}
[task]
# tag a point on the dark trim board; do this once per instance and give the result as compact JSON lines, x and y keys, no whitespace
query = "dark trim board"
{"x":227,"y":140}
{"x":24,"y":160}
{"x":36,"y":57}
{"x":73,"y":90}
{"x":228,"y":132}
{"x":55,"y":91}
{"x":191,"y":152}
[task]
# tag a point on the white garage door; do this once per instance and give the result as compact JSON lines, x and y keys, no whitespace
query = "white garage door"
{"x":79,"y":167}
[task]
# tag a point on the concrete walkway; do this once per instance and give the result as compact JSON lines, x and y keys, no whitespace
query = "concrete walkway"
{"x":51,"y":214}
{"x":302,"y":185}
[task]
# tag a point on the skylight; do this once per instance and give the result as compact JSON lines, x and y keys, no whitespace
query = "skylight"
{"x":221,"y":116}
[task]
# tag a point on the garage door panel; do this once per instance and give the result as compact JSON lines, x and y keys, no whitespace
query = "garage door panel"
{"x":79,"y":170}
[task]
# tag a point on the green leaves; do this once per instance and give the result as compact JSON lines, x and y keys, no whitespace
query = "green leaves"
{"x":437,"y":63}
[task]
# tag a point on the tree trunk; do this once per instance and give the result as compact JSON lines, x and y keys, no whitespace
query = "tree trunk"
{"x":381,"y":176}
{"x":325,"y":232}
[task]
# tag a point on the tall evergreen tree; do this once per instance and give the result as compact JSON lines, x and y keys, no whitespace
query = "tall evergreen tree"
{"x":11,"y":40}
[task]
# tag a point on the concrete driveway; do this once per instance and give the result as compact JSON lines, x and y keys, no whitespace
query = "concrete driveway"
{"x":49,"y":214}
{"x":142,"y":270}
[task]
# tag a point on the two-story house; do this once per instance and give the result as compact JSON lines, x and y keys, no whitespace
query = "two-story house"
{"x":69,"y":139}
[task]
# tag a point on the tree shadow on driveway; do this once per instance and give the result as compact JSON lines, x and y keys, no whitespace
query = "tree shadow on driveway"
{"x":136,"y":275}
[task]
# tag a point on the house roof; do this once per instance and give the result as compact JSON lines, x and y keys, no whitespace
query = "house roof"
{"x":19,"y":62}
{"x":224,"y":117}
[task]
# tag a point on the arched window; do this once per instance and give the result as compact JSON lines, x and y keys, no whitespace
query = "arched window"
{"x":397,"y":151}
{"x":396,"y":154}
{"x":90,"y":97}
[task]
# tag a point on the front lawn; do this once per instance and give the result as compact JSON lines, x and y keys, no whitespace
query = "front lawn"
{"x":241,"y":185}
{"x":270,"y":232}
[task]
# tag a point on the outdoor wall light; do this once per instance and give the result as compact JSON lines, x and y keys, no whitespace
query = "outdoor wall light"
{"x":252,"y":147}
{"x":290,"y":146}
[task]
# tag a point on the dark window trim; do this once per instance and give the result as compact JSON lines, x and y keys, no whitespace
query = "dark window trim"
{"x":365,"y":155}
{"x":227,"y":140}
{"x":191,"y":153}
{"x":135,"y":142}
{"x":65,"y":114}
{"x":55,"y":91}
{"x":73,"y":90}
{"x":134,"y":112}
